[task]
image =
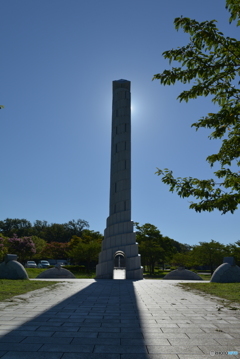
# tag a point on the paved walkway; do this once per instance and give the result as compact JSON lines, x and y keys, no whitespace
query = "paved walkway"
{"x":121,"y":319}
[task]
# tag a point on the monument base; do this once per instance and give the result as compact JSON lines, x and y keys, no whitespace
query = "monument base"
{"x":119,"y":251}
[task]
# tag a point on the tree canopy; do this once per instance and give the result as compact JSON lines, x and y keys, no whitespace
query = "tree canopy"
{"x":153,"y":246}
{"x":85,"y":249}
{"x":53,"y":232}
{"x":211,"y":63}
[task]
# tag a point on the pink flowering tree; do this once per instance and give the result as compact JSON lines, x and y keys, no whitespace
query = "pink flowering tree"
{"x":23,"y":247}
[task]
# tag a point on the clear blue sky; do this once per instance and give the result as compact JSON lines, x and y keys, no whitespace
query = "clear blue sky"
{"x":58,"y":60}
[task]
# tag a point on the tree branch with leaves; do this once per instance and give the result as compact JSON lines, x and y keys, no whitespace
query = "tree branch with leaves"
{"x":211,"y":63}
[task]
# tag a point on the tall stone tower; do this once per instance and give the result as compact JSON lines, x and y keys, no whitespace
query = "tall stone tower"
{"x":119,"y":247}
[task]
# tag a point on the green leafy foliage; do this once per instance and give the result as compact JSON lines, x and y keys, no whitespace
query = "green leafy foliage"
{"x":234,"y":8}
{"x":153,"y":246}
{"x":184,"y":260}
{"x":234,"y":250}
{"x":53,"y":232}
{"x":209,"y":253}
{"x":40,"y":244}
{"x":85,"y":249}
{"x":3,"y":247}
{"x":210,"y":62}
{"x":54,"y":250}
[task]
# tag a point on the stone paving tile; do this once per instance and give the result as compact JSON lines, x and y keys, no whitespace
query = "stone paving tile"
{"x":66,"y":348}
{"x":201,"y":325}
{"x":162,"y":325}
{"x":148,"y":341}
{"x":11,"y":339}
{"x":28,"y":333}
{"x":31,"y":355}
{"x":19,"y":347}
{"x":216,"y":335}
{"x":224,"y":341}
{"x":91,"y":356}
{"x":76,"y":334}
{"x":101,"y":329}
{"x":223,"y":329}
{"x":164,"y":349}
{"x":73,"y":324}
{"x":165,"y":335}
{"x":130,"y":335}
{"x":149,"y":356}
{"x":186,"y":330}
{"x":8,"y":326}
{"x":27,"y":327}
{"x":62,"y":321}
{"x":40,"y":323}
{"x":196,"y":341}
{"x":120,"y":349}
{"x":46,"y":340}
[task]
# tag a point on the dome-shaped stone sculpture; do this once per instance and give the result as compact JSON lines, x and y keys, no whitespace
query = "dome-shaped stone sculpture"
{"x":227,"y":272}
{"x":12,"y":269}
{"x":182,"y":274}
{"x":56,"y":272}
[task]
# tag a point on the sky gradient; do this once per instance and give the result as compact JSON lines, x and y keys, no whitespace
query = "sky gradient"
{"x":58,"y":60}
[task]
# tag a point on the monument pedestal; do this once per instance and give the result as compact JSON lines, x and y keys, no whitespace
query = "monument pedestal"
{"x":119,"y":240}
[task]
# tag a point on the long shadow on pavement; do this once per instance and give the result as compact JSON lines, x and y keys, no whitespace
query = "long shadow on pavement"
{"x":102,"y":320}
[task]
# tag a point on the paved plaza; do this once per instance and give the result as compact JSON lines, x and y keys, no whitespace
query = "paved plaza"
{"x":117,"y":319}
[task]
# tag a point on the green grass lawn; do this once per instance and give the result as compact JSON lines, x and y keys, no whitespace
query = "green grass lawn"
{"x":205,"y":276}
{"x":34,"y":272}
{"x":9,"y":288}
{"x":228,"y":291}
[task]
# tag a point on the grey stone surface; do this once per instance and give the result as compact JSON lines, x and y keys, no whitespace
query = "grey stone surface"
{"x":11,"y":269}
{"x":30,"y":355}
{"x":119,"y":237}
{"x":182,"y":274}
{"x":56,"y":272}
{"x":226,"y":273}
{"x":229,"y":260}
{"x":90,"y":356}
{"x":146,"y":319}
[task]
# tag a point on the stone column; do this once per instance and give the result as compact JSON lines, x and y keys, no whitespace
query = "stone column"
{"x":119,"y":235}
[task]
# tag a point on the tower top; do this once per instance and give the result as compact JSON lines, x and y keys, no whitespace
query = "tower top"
{"x":121,"y":80}
{"x":122,"y":84}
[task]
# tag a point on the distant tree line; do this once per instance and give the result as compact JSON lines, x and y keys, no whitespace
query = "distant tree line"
{"x":207,"y":254}
{"x":157,"y":250}
{"x":72,"y":240}
{"x":53,"y":232}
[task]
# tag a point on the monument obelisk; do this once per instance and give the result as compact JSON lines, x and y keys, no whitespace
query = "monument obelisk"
{"x":119,"y":247}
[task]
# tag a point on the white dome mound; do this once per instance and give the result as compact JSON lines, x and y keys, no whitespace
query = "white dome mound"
{"x":12,"y":269}
{"x":227,"y":272}
{"x":56,"y":272}
{"x":182,"y":274}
